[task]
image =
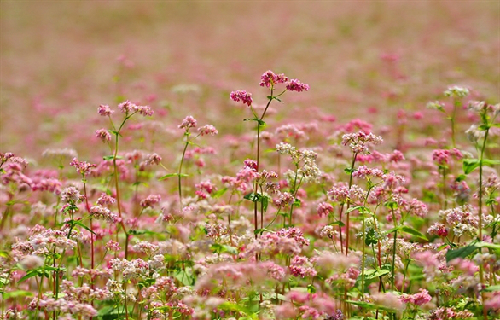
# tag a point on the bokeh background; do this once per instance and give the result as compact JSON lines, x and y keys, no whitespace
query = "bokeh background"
{"x":367,"y":59}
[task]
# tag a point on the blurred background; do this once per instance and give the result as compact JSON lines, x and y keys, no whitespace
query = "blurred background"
{"x":368,"y":59}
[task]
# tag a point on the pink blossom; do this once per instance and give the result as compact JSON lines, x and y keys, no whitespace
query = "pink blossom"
{"x":103,"y":134}
{"x":188,"y":122}
{"x":269,"y":79}
{"x":418,"y":299}
{"x":243,"y":96}
{"x":208,"y":130}
{"x":105,"y":110}
{"x":296,"y":85}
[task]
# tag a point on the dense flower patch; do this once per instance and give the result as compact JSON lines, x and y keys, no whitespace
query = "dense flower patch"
{"x":301,"y":221}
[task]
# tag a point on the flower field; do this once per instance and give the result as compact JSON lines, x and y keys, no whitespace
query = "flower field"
{"x":250,"y":160}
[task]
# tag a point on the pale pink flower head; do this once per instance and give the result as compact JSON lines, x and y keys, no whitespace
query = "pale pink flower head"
{"x":150,"y":201}
{"x":324,"y":208}
{"x":113,"y":246}
{"x":208,"y":130}
{"x":105,"y":110}
{"x":82,"y":167}
{"x":269,"y":79}
{"x":103,"y":134}
{"x":145,"y":110}
{"x":389,"y":300}
{"x":296,"y":85}
{"x":188,"y":122}
{"x":105,"y":200}
{"x":243,"y":96}
{"x":103,"y":213}
{"x":418,"y":299}
{"x":127,"y":107}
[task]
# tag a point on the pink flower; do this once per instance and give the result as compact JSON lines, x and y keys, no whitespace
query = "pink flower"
{"x":188,"y":122}
{"x":104,"y":110}
{"x":150,"y":201}
{"x":127,"y":107}
{"x":418,"y":299}
{"x":105,"y":200}
{"x":243,"y":96}
{"x":324,"y":208}
{"x":208,"y":130}
{"x":103,"y":134}
{"x":296,"y":85}
{"x":81,"y":166}
{"x":145,"y":110}
{"x":269,"y":79}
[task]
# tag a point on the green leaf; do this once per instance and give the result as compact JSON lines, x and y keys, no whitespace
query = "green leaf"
{"x":34,"y":273}
{"x":252,"y":197}
{"x":338,"y":222}
{"x":219,"y":248}
{"x":142,"y":232}
{"x":492,"y":288}
{"x":459,"y":253}
{"x":219,"y":193}
{"x":484,"y":244}
{"x":490,"y":163}
{"x":111,"y":157}
{"x":79,"y":223}
{"x":169,"y":175}
{"x":413,"y":232}
{"x":374,"y":273}
{"x":17,"y":294}
{"x":469,"y":165}
{"x":393,"y":205}
{"x":185,"y":276}
{"x":296,"y":203}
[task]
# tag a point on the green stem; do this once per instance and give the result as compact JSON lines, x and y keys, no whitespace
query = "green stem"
{"x":348,"y":205}
{"x":452,"y":120}
{"x":394,"y":250}
{"x":179,"y":186}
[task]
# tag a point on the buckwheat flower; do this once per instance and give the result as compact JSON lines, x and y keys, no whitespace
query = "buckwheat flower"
{"x":150,"y":201}
{"x":284,"y":148}
{"x":83,"y":167}
{"x":358,"y":142}
{"x":302,"y":267}
{"x":436,"y":105}
{"x":493,"y":303}
{"x":104,"y":110}
{"x":456,"y":91}
{"x":418,"y":299}
{"x":269,"y":79}
{"x":103,"y":134}
{"x":145,"y":110}
{"x":151,"y":159}
{"x":208,"y":130}
{"x":113,"y":246}
{"x":105,"y":200}
{"x":188,"y":122}
{"x":389,"y":300}
{"x":243,"y":96}
{"x":127,"y":107}
{"x":336,"y":261}
{"x":64,"y":152}
{"x":474,"y":134}
{"x":31,"y":262}
{"x":103,"y":213}
{"x":329,"y":231}
{"x":70,"y":194}
{"x":296,"y":85}
{"x":324,"y":208}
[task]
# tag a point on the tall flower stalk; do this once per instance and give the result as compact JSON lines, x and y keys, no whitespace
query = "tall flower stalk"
{"x":268,"y":79}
